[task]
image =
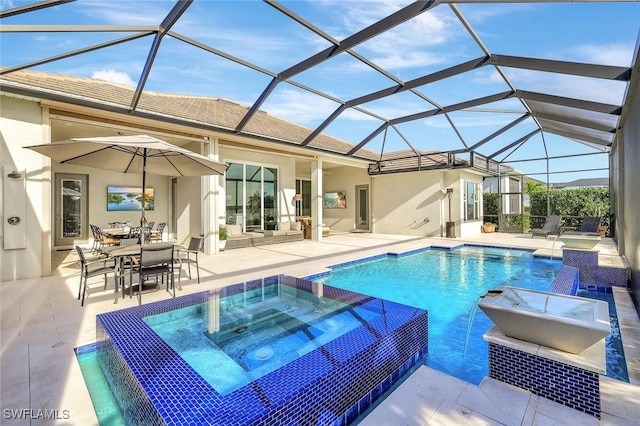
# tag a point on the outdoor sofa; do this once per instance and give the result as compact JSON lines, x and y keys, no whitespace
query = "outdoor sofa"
{"x":285,"y":232}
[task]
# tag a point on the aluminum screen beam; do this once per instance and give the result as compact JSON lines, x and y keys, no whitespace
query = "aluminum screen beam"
{"x":77,"y":28}
{"x":390,"y":21}
{"x":32,"y":7}
{"x":74,"y":53}
{"x":512,"y":144}
{"x":570,"y":102}
{"x":563,"y":67}
{"x":412,"y":84}
{"x":165,"y":26}
{"x":500,"y":131}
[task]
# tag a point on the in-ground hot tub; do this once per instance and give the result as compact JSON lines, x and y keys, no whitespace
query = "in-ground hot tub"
{"x":275,"y":351}
{"x":568,"y":323}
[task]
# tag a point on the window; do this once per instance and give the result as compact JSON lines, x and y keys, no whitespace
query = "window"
{"x":251,"y":196}
{"x":471,"y":201}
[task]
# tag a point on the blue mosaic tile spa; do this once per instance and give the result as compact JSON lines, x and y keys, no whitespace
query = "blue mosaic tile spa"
{"x":284,"y":350}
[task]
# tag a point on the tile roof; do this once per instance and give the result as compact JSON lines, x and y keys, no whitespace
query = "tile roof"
{"x":219,"y":113}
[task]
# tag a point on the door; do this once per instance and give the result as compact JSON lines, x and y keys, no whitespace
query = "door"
{"x":71,"y":209}
{"x":251,"y":196}
{"x":362,"y":207}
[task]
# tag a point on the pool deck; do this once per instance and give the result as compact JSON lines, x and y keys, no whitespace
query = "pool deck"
{"x":42,"y":322}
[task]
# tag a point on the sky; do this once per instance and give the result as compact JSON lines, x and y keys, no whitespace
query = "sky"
{"x":257,"y":33}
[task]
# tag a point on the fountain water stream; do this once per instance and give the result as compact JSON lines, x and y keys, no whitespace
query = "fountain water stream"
{"x":472,"y":315}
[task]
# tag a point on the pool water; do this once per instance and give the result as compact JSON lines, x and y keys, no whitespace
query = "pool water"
{"x":616,"y":361}
{"x":104,"y":402}
{"x":259,"y":332}
{"x":448,"y":283}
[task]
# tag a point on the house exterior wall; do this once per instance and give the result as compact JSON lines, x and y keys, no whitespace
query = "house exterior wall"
{"x":405,"y":203}
{"x":344,"y":179}
{"x":626,"y":175}
{"x":21,"y":124}
{"x":409,"y":203}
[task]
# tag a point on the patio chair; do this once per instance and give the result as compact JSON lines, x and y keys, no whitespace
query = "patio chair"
{"x":156,"y":235}
{"x":189,"y":255}
{"x":102,"y":239}
{"x":589,"y":227}
{"x":155,"y":261}
{"x":92,"y":269}
{"x":551,"y":226}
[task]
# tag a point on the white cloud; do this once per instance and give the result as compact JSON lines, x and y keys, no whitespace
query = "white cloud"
{"x":114,"y":76}
{"x":124,"y":12}
{"x":414,"y":43}
{"x":487,"y":76}
{"x":300,"y":107}
{"x":616,"y":54}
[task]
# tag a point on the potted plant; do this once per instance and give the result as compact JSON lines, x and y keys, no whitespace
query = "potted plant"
{"x":489,"y":227}
{"x":222,"y":236}
{"x":602,"y":231}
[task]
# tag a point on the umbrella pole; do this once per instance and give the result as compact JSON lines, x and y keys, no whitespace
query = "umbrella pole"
{"x":144,"y":182}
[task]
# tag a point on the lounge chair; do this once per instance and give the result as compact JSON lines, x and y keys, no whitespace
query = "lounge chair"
{"x":589,"y":226}
{"x":551,"y":226}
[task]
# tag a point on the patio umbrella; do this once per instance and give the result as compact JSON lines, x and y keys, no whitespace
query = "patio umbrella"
{"x":140,"y":154}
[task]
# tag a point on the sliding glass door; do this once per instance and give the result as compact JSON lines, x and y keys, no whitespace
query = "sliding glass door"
{"x":251,"y":196}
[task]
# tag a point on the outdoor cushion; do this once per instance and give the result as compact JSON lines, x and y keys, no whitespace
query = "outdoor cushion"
{"x":234,"y":230}
{"x":284,"y":226}
{"x":295,"y":226}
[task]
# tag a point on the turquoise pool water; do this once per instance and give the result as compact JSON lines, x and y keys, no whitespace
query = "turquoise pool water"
{"x":261,"y":331}
{"x":448,"y":284}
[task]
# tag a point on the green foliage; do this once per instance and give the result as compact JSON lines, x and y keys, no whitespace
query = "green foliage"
{"x":490,"y":204}
{"x":578,"y":202}
{"x":514,"y":221}
{"x":572,"y":204}
{"x":532,"y":186}
{"x":222,"y":235}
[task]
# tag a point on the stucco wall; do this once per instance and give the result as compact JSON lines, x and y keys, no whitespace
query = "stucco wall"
{"x":410,"y":203}
{"x":343,"y":179}
{"x":628,"y":196}
{"x":99,"y":180}
{"x":21,"y":125}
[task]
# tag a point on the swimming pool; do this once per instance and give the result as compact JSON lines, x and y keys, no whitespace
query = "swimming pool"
{"x":466,"y":270}
{"x":447,"y":283}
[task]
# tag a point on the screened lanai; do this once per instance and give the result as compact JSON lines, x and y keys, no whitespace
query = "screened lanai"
{"x":546,"y":88}
{"x":539,"y":85}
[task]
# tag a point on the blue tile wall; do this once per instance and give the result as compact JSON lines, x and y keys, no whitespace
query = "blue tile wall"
{"x":331,"y":385}
{"x":566,"y":282}
{"x":568,"y":385}
{"x":591,"y":273}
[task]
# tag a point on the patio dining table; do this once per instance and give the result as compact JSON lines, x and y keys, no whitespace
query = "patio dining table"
{"x":119,"y":254}
{"x":115,"y":232}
